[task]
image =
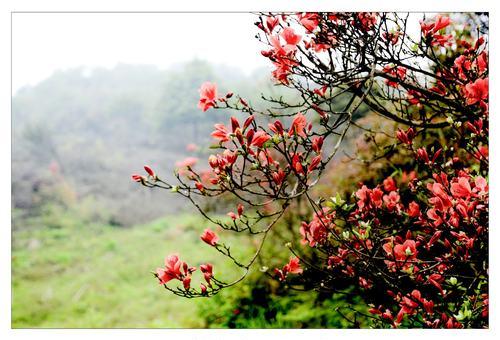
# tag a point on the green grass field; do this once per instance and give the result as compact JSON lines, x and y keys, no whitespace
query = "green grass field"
{"x":100,"y":276}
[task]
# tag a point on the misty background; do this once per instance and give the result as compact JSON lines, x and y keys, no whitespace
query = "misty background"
{"x":80,"y":134}
{"x":95,"y":97}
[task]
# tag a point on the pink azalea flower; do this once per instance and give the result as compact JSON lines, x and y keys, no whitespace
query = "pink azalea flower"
{"x":208,"y":96}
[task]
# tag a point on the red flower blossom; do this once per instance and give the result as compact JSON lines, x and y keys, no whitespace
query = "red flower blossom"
{"x":391,"y":200}
{"x":278,"y":176}
{"x":291,"y":38}
{"x":462,"y":65}
{"x":172,"y":270}
{"x":221,"y":133}
{"x":298,"y":125}
{"x":428,"y":306}
{"x":259,"y":138}
{"x":442,"y":40}
{"x":317,"y":144}
{"x":441,"y":201}
{"x":461,"y":188}
{"x":364,"y":283}
{"x":485,"y":305}
{"x":276,"y":127}
{"x":186,"y":282}
{"x":435,"y":280}
{"x":433,"y":215}
{"x":271,"y":23}
{"x":363,"y":195}
{"x":476,"y":91}
{"x":481,"y":62}
{"x":293,"y":266}
{"x":405,"y":254}
{"x":207,"y":270}
{"x":433,"y":27}
{"x":413,"y":209}
{"x":249,"y":136}
{"x":297,"y":164}
{"x":376,"y":197}
{"x":398,"y":72}
{"x":423,"y":155}
{"x":392,"y":37}
{"x":389,"y":184}
{"x":314,"y":163}
{"x":367,"y":19}
{"x":208,"y":96}
{"x":316,"y":231}
{"x":210,"y":237}
{"x":481,"y":185}
{"x":426,"y":28}
{"x":282,"y":71}
{"x":440,"y":23}
{"x":482,"y":153}
{"x":406,"y":251}
{"x":230,"y":156}
{"x":309,"y":20}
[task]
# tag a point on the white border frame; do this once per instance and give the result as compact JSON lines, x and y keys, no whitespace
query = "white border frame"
{"x":8,"y":6}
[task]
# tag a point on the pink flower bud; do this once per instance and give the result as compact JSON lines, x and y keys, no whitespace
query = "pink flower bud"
{"x":234,"y":123}
{"x":137,"y":178}
{"x":149,"y":171}
{"x":248,"y":121}
{"x":199,"y":186}
{"x":317,"y":144}
{"x":422,"y":155}
{"x":209,"y":237}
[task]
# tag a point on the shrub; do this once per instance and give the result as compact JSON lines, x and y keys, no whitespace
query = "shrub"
{"x":412,"y":245}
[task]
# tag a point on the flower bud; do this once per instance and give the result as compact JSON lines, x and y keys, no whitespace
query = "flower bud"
{"x":234,"y":123}
{"x":149,"y":171}
{"x":422,"y":155}
{"x":137,"y":178}
{"x":240,"y":209}
{"x":248,"y":121}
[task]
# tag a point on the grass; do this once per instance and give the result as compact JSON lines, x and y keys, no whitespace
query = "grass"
{"x":100,"y":276}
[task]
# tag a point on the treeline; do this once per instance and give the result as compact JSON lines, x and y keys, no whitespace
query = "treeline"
{"x":78,"y":135}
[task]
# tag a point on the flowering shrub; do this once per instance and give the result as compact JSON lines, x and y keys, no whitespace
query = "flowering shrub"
{"x":415,"y":245}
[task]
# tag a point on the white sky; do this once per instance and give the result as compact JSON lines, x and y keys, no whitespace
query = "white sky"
{"x":45,"y":42}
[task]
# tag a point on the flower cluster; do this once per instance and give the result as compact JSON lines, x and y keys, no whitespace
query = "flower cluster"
{"x":175,"y":269}
{"x":412,"y":241}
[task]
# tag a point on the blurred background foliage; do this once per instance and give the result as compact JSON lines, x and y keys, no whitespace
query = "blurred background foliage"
{"x":85,"y":238}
